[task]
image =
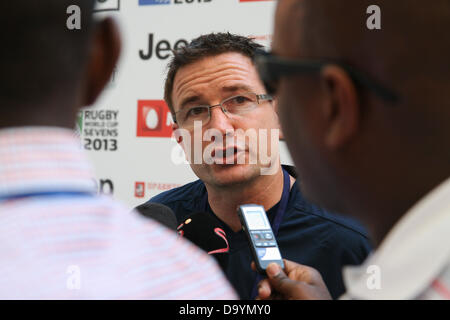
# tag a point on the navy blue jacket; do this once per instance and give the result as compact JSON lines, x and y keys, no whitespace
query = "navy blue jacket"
{"x":307,"y":235}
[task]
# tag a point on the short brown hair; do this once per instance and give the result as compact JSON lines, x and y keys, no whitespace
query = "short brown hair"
{"x":205,"y":46}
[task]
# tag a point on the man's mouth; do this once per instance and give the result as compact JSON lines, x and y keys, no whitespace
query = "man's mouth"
{"x":226,"y":155}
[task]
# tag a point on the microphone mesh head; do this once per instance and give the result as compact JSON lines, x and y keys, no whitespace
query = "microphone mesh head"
{"x":160,"y":213}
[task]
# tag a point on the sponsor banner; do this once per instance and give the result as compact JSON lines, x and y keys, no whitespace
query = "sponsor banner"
{"x":139,"y":189}
{"x":128,"y":132}
{"x":153,"y":2}
{"x":160,"y":48}
{"x":167,"y":2}
{"x":253,"y":0}
{"x":99,"y":129}
{"x":154,"y":119}
{"x":107,"y":5}
{"x":152,"y":188}
{"x":106,"y":187}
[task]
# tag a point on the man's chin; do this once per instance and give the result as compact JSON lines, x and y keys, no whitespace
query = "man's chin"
{"x":231,"y":174}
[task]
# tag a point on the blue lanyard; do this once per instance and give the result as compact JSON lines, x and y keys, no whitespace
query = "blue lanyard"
{"x":276,"y":221}
{"x":46,"y":194}
{"x":281,"y":208}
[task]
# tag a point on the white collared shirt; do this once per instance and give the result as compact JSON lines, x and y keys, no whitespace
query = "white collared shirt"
{"x":60,"y":240}
{"x":413,"y":261}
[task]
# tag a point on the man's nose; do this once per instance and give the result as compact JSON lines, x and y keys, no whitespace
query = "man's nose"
{"x":219,"y":120}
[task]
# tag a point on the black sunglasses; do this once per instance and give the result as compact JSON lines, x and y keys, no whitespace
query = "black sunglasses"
{"x":271,"y":68}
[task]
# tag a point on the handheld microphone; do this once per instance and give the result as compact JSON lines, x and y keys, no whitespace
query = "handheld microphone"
{"x":160,"y":213}
{"x":206,"y":233}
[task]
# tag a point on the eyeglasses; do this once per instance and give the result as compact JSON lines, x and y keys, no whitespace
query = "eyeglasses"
{"x":271,"y":68}
{"x":235,"y":105}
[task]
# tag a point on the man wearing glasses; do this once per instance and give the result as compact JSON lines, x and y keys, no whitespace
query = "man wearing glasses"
{"x":368,"y":124}
{"x":213,"y":90}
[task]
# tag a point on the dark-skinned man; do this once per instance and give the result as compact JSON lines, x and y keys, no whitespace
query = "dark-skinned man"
{"x":368,"y":126}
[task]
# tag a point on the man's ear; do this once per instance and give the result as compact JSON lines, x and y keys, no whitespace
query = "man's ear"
{"x":103,"y":57}
{"x":341,"y":108}
{"x":178,"y":136}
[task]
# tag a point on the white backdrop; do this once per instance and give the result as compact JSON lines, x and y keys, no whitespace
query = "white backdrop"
{"x":127,"y":133}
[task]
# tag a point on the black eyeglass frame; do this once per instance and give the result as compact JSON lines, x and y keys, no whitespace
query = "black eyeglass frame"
{"x":272,"y":67}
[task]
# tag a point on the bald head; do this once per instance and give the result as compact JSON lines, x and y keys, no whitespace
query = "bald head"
{"x":413,"y":39}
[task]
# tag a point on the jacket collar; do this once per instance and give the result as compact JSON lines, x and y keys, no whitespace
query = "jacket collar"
{"x":414,"y":252}
{"x":43,"y":159}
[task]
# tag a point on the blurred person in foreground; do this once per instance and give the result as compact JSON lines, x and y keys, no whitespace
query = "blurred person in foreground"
{"x":58,"y":238}
{"x":366,"y":115}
